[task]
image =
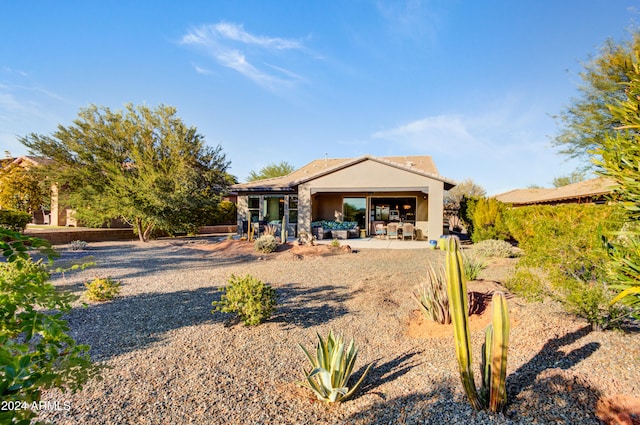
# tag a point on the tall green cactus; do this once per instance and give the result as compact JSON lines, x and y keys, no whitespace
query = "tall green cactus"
{"x":283,"y":232}
{"x":494,"y":354}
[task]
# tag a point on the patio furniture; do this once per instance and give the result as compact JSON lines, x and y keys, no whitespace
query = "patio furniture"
{"x":392,"y":230}
{"x":407,"y":230}
{"x":339,"y":234}
{"x":379,"y":230}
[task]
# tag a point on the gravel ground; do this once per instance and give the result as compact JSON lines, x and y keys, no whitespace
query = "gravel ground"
{"x":174,"y":362}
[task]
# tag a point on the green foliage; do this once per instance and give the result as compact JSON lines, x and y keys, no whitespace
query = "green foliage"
{"x":593,"y":302}
{"x":331,"y":369}
{"x":529,"y":283}
{"x":492,"y":394}
{"x":574,"y":177}
{"x":587,"y":121}
{"x":472,"y":266}
{"x":102,"y":289}
{"x":563,"y":245}
{"x":432,"y":296}
{"x":23,"y":190}
{"x":617,"y":158}
{"x":142,"y":165}
{"x":251,"y":299}
{"x":36,"y":351}
{"x":266,"y":244}
{"x":488,"y":220}
{"x":494,"y":248}
{"x":225,"y":213}
{"x":335,"y":243}
{"x":14,"y":220}
{"x":272,"y":170}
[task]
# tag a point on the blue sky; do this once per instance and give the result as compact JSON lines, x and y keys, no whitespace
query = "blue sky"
{"x":473,"y":84}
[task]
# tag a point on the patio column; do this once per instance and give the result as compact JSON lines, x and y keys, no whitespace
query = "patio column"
{"x":436,"y":210}
{"x":304,"y":208}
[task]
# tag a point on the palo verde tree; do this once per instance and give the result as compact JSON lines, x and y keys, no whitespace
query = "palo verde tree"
{"x":142,"y":165}
{"x":587,"y":120}
{"x":272,"y":170}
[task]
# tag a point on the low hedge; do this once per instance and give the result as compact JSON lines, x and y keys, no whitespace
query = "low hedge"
{"x":14,"y":220}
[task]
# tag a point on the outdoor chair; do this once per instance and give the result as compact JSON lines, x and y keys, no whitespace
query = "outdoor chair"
{"x":392,"y":230}
{"x":407,"y":230}
{"x":380,"y":230}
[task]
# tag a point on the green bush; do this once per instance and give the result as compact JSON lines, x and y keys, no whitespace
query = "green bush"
{"x":101,"y":289}
{"x":251,"y":299}
{"x":335,"y":243}
{"x":528,"y":282}
{"x":494,"y":248}
{"x":36,"y":351}
{"x":487,"y":215}
{"x":266,"y":244}
{"x":14,"y":220}
{"x":564,"y":243}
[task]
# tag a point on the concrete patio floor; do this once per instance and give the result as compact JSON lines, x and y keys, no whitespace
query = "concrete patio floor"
{"x":377,"y":243}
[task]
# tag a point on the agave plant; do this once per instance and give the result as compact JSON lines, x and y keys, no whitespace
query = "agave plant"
{"x":432,"y":296}
{"x":331,"y":369}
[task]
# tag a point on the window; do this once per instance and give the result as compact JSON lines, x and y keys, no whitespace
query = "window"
{"x":273,"y":208}
{"x":254,"y":208}
{"x":293,"y":209}
{"x":354,"y":209}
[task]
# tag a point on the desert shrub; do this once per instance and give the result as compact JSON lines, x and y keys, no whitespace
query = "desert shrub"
{"x":250,"y":298}
{"x":102,"y":289}
{"x":270,"y":229}
{"x":432,"y":296}
{"x":487,"y":215}
{"x":494,"y":248}
{"x":564,"y":242}
{"x":36,"y":351}
{"x":14,"y":220}
{"x":472,"y":266}
{"x":78,"y":245}
{"x":335,"y":243}
{"x":529,"y":283}
{"x":266,"y":244}
{"x":593,"y":302}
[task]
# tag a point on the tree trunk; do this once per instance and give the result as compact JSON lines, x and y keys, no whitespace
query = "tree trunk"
{"x":147,"y":232}
{"x":141,"y":234}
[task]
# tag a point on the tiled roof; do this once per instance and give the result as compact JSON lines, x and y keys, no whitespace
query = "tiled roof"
{"x":584,"y":189}
{"x":419,"y":164}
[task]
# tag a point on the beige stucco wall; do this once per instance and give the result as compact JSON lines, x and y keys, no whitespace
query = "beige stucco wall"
{"x":374,"y":177}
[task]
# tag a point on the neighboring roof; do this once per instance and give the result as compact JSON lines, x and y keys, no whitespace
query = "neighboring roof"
{"x":422,"y":165}
{"x":584,"y":189}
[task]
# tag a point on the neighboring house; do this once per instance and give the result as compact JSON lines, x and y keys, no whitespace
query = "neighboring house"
{"x":594,"y":191}
{"x":57,"y":216}
{"x":363,"y":189}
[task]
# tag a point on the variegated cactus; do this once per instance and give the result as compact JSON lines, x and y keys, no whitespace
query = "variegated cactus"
{"x":493,"y":393}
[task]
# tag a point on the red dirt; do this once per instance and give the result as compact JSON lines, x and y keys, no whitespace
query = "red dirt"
{"x":480,"y":298}
{"x":233,"y":248}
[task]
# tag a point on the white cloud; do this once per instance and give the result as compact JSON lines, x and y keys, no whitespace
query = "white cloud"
{"x":232,"y":47}
{"x":437,"y":133}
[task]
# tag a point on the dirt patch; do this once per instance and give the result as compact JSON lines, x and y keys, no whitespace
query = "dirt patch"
{"x":480,"y":293}
{"x":234,"y":248}
{"x":619,"y":410}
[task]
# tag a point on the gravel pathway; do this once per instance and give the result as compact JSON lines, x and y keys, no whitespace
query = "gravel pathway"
{"x":174,"y":362}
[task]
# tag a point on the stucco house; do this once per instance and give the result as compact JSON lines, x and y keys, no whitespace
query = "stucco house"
{"x":363,"y":189}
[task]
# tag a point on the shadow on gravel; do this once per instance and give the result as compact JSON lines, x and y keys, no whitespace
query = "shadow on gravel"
{"x":389,"y":371}
{"x":553,"y":399}
{"x":307,"y":307}
{"x":550,"y":356}
{"x":132,"y":323}
{"x":147,"y":259}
